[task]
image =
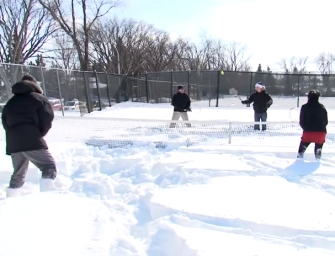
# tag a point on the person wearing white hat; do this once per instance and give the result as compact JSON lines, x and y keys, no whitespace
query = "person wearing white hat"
{"x":262,"y":101}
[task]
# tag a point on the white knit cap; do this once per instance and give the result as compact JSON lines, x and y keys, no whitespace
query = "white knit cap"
{"x":259,"y":85}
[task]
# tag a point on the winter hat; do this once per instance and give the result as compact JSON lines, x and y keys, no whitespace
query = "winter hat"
{"x":313,"y":95}
{"x":28,"y":77}
{"x":259,"y":85}
{"x":180,"y":87}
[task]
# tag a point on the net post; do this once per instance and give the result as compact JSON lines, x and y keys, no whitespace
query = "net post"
{"x":230,"y":132}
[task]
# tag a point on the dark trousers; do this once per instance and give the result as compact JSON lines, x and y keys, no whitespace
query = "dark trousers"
{"x":42,"y":159}
{"x":304,"y":145}
{"x":260,"y":117}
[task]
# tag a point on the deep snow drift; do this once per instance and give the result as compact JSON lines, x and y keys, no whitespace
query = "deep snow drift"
{"x":185,"y":201}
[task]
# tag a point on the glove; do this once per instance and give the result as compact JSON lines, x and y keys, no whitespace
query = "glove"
{"x":244,"y":101}
{"x":189,"y":110}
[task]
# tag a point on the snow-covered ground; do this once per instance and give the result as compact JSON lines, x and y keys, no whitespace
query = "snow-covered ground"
{"x":208,"y":198}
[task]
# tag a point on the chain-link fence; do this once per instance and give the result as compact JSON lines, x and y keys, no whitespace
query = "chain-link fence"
{"x":73,"y":92}
{"x":220,"y":89}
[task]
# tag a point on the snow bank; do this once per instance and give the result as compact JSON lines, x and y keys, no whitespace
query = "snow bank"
{"x":269,"y":203}
{"x":193,"y":238}
{"x":55,"y":224}
{"x":274,"y":206}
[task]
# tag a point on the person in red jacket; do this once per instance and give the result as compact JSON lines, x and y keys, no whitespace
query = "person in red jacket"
{"x":313,"y":121}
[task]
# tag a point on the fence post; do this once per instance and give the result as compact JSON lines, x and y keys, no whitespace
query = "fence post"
{"x":98,"y":90}
{"x":43,"y":82}
{"x":171,"y":88}
{"x":88,"y":101}
{"x":250,"y":85}
{"x":60,"y":92}
{"x":125,"y":80}
{"x":218,"y":89}
{"x":188,"y":83}
{"x":108,"y":95}
{"x":298,"y":99}
{"x":146,"y":86}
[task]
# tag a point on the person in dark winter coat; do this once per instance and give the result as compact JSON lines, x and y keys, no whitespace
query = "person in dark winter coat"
{"x":182,"y":104}
{"x":27,"y":117}
{"x":313,"y":121}
{"x":262,"y":101}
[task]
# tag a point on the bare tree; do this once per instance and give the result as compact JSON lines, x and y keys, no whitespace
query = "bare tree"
{"x":191,"y":57}
{"x":198,"y":57}
{"x":237,"y":58}
{"x":140,"y":47}
{"x":25,"y":27}
{"x":219,"y":56}
{"x":77,"y":19}
{"x":294,"y":65}
{"x":324,"y":62}
{"x":181,"y":61}
{"x":213,"y":54}
{"x":65,"y":54}
{"x":161,"y":53}
{"x":128,"y":38}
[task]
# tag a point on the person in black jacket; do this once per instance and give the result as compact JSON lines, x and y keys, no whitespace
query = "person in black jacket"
{"x":27,"y":118}
{"x":262,"y":101}
{"x":182,"y":104}
{"x":313,"y":121}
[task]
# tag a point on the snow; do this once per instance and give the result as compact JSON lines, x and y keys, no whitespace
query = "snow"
{"x":201,"y":111}
{"x":205,"y":199}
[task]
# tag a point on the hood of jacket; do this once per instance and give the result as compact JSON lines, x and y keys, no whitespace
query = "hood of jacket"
{"x":25,"y":87}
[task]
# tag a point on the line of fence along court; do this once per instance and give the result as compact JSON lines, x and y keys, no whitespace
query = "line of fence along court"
{"x":93,"y":91}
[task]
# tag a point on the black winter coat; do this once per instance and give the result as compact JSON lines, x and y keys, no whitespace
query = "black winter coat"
{"x":262,"y":101}
{"x":313,"y":117}
{"x":26,"y":118}
{"x":181,"y":102}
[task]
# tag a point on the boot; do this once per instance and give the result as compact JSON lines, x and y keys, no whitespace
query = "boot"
{"x":46,"y":185}
{"x":302,"y":149}
{"x":318,"y":151}
{"x":12,"y":192}
{"x":300,"y":155}
{"x":318,"y":154}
